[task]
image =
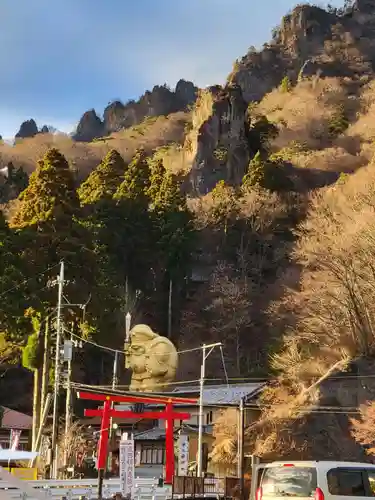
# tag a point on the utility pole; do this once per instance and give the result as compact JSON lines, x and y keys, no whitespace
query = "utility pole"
{"x":205,"y":355}
{"x":114,"y":384}
{"x":55,"y":421}
{"x":68,"y":356}
{"x":240,"y":458}
{"x":46,"y":365}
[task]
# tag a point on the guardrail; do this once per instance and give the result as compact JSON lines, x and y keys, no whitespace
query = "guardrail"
{"x":144,"y":489}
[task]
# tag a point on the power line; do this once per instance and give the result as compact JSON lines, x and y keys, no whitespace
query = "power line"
{"x":111,"y":349}
{"x":27,"y":280}
{"x":125,"y":387}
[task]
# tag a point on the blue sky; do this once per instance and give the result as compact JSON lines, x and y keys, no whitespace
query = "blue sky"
{"x":59,"y":58}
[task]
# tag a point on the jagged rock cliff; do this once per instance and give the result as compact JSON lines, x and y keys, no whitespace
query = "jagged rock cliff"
{"x":217,"y":144}
{"x":332,"y":44}
{"x":27,"y":129}
{"x":89,"y":127}
{"x":309,"y":41}
{"x":117,"y":116}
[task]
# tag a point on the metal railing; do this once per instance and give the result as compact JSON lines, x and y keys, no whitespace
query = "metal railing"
{"x":144,"y":489}
{"x":192,"y":487}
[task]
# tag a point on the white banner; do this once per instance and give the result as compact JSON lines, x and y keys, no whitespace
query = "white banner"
{"x":15,"y":436}
{"x":126,"y":466}
{"x":183,"y":456}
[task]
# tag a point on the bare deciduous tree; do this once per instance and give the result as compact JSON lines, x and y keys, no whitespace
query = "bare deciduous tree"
{"x":363,"y":429}
{"x":231,"y":305}
{"x":224,"y":451}
{"x":70,"y":444}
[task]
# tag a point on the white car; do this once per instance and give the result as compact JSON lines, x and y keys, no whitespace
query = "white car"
{"x":319,"y":480}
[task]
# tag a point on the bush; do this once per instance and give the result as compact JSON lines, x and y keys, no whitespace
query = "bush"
{"x":338,"y":123}
{"x":266,"y":174}
{"x":285,"y":85}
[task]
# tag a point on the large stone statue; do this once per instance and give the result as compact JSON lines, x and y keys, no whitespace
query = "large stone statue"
{"x":152,"y":359}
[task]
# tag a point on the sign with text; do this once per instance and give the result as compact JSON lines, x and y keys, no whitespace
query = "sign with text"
{"x":126,"y":466}
{"x":183,"y":456}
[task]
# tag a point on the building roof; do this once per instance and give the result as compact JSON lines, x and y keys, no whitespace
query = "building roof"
{"x":223,"y":394}
{"x":153,"y":434}
{"x":157,"y":433}
{"x":212,"y":395}
{"x":12,"y":419}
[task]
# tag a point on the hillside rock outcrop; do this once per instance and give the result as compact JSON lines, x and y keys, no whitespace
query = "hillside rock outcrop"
{"x":332,"y":43}
{"x":89,"y":127}
{"x":217,"y":144}
{"x":117,"y":115}
{"x":27,"y":129}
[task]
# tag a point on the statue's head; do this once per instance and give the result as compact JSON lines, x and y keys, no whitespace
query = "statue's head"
{"x":150,"y":355}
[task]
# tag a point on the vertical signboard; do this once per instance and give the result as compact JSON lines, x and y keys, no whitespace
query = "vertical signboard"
{"x":126,"y":466}
{"x":183,"y":456}
{"x":15,"y":436}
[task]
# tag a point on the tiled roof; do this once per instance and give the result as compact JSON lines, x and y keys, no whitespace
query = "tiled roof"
{"x":157,"y":433}
{"x":153,"y":434}
{"x":212,"y":394}
{"x":217,"y":394}
{"x":12,"y":419}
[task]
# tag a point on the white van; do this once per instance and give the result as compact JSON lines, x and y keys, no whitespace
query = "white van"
{"x":319,"y":480}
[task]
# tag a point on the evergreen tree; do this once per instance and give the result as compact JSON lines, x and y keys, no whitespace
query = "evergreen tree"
{"x":103,"y":182}
{"x":157,"y":174}
{"x":136,"y":180}
{"x":48,"y":222}
{"x":14,"y":290}
{"x":285,"y":85}
{"x":225,"y":205}
{"x":256,"y":173}
{"x":50,"y":195}
{"x":174,"y":239}
{"x":174,"y":223}
{"x":266,"y":174}
{"x":125,"y":228}
{"x":338,"y":123}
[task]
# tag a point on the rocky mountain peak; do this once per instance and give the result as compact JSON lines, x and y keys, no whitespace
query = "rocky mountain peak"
{"x":89,"y":127}
{"x":27,"y":129}
{"x":307,"y":22}
{"x":117,"y":116}
{"x":186,"y":92}
{"x":310,"y":33}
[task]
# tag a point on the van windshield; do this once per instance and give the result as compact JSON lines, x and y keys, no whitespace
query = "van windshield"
{"x":289,"y":482}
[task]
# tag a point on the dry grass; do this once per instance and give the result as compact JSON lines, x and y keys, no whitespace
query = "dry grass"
{"x":152,"y":133}
{"x":303,"y":114}
{"x":224,"y":452}
{"x":363,"y":429}
{"x":361,"y":133}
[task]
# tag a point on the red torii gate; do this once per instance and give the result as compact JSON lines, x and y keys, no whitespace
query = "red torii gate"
{"x":108,"y":412}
